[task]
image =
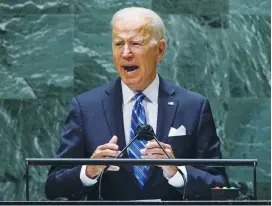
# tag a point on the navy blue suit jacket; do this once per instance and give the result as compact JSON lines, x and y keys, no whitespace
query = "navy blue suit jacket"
{"x":96,"y":116}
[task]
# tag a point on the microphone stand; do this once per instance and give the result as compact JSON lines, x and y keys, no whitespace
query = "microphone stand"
{"x":101,"y":174}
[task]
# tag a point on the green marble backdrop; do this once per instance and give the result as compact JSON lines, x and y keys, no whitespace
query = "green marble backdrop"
{"x":52,"y":50}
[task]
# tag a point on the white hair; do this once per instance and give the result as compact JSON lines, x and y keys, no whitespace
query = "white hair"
{"x":157,"y":25}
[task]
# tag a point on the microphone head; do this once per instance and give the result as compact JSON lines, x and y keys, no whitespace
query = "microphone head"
{"x":145,"y":132}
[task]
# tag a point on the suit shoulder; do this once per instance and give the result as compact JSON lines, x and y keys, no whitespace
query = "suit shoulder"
{"x":184,"y":93}
{"x":92,"y":95}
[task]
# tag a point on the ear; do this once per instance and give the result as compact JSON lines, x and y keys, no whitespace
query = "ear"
{"x":161,"y":49}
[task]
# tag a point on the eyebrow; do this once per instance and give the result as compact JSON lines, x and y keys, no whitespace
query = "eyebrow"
{"x":117,"y":39}
{"x":130,"y":37}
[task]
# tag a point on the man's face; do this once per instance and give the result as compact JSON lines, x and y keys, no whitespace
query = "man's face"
{"x":135,"y":57}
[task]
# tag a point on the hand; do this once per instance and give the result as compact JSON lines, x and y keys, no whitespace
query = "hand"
{"x":108,"y":150}
{"x":153,"y":151}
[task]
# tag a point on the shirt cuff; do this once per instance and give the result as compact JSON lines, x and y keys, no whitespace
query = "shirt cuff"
{"x":86,"y":181}
{"x":177,"y":180}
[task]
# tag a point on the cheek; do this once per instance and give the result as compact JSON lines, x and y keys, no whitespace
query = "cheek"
{"x":148,"y":63}
{"x":116,"y":61}
{"x":115,"y":57}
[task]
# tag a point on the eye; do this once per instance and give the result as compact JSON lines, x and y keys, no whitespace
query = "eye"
{"x":136,"y":44}
{"x":119,"y":44}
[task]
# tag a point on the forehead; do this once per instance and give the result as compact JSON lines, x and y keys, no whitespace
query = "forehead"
{"x":128,"y":27}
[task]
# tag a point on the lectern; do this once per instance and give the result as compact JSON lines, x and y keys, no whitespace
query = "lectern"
{"x":192,"y":162}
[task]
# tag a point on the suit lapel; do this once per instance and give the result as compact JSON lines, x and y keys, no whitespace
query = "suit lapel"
{"x":112,"y":105}
{"x":167,"y":106}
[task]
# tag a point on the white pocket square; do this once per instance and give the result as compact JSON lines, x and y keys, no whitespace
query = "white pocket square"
{"x":177,"y":132}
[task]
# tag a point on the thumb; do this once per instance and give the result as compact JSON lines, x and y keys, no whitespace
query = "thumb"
{"x":114,"y":139}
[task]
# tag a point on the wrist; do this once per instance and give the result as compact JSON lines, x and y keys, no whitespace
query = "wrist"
{"x":91,"y":173}
{"x":170,"y":171}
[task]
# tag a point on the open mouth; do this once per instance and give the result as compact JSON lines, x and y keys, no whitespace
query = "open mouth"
{"x":131,"y":68}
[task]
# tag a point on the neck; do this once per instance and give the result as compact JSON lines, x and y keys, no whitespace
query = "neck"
{"x":141,"y":88}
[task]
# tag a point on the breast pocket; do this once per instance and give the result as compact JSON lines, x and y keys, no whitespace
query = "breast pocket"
{"x":183,"y":146}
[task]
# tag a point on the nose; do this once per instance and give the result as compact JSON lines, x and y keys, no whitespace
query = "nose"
{"x":127,"y":54}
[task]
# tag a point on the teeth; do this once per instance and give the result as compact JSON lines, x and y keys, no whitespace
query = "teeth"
{"x":132,"y":71}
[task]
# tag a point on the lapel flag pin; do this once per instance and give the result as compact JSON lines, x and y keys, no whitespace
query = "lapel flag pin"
{"x":170,"y":103}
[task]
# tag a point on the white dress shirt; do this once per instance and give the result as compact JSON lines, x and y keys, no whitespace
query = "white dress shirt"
{"x":150,"y":104}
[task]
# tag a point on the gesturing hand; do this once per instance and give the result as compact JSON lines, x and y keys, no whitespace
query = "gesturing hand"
{"x":152,"y":150}
{"x":108,"y":150}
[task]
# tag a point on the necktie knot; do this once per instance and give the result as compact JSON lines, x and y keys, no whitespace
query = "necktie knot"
{"x":139,"y":97}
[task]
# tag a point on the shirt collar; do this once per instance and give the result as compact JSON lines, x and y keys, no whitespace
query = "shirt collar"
{"x":151,"y":92}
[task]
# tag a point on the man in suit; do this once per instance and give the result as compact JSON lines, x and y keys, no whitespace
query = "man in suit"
{"x":102,"y":121}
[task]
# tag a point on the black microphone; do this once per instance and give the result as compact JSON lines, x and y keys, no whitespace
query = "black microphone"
{"x":146,"y":132}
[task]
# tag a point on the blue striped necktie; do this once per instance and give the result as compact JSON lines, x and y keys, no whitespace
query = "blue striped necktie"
{"x":138,"y":117}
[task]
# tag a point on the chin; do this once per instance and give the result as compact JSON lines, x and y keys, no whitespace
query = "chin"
{"x":137,"y":87}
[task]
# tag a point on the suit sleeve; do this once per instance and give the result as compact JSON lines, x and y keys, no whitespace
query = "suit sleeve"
{"x":65,"y":181}
{"x":201,"y":179}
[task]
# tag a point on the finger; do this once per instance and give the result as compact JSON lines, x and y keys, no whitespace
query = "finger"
{"x":114,"y":139}
{"x":151,"y":144}
{"x":169,"y":151}
{"x":113,"y":168}
{"x":111,"y":146}
{"x":152,"y":151}
{"x":107,"y":153}
{"x":155,"y":156}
